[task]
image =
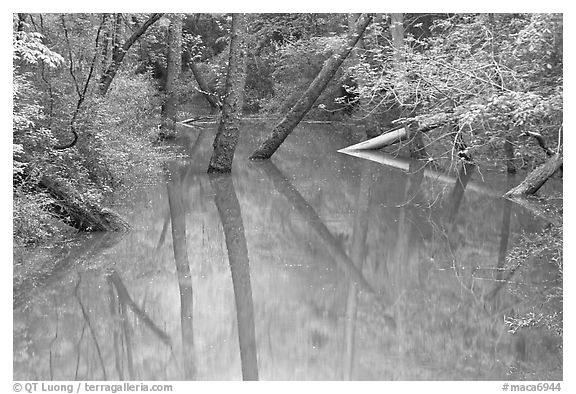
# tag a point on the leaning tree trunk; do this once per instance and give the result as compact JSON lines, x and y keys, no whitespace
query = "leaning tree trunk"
{"x":228,"y":133}
{"x":305,"y":103}
{"x":210,"y":96}
{"x":120,"y":52}
{"x":174,"y":60}
{"x":203,"y":86}
{"x":537,"y":177}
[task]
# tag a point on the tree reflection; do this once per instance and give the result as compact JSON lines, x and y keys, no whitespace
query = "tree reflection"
{"x":88,"y":322}
{"x":305,"y":210}
{"x":502,"y":250}
{"x":88,"y":248}
{"x":231,"y":217}
{"x":462,"y":178}
{"x":180,"y":248}
{"x":358,"y":252}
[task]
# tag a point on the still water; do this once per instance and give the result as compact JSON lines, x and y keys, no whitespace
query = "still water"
{"x":314,"y":266}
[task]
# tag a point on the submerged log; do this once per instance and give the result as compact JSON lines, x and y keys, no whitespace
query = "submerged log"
{"x":536,"y":179}
{"x":85,"y":215}
{"x":404,"y":164}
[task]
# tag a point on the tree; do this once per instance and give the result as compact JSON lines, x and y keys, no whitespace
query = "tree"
{"x":228,"y":133}
{"x":210,"y":96}
{"x":536,"y":179}
{"x":305,"y":103}
{"x":499,"y":76}
{"x":174,"y":60}
{"x":81,"y":91}
{"x":119,"y":52}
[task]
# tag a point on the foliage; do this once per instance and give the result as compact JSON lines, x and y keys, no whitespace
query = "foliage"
{"x":295,"y":65}
{"x":32,"y":222}
{"x":500,"y":74}
{"x":54,"y":95}
{"x":543,"y":252}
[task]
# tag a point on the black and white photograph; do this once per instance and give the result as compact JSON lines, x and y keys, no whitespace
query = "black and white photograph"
{"x":287,"y":197}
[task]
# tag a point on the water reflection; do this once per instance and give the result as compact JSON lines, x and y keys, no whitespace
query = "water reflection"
{"x":307,"y":213}
{"x":180,"y":248}
{"x":322,"y":266}
{"x":358,"y":254}
{"x":231,"y":217}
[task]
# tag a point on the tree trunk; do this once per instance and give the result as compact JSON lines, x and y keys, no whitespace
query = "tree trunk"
{"x":120,"y":52}
{"x":174,"y":60}
{"x":509,"y":151}
{"x":537,"y":177}
{"x":415,"y":142}
{"x":305,"y":103}
{"x":351,"y":84}
{"x":109,"y":25}
{"x":21,"y":21}
{"x":228,"y":130}
{"x":231,"y":217}
{"x":210,"y":96}
{"x":397,"y":33}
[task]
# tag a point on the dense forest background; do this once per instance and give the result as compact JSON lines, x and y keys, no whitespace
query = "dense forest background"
{"x":96,"y":97}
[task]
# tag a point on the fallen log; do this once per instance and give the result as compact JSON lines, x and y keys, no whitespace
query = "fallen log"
{"x":401,"y":134}
{"x":381,"y":141}
{"x":537,"y":178}
{"x":84,"y":214}
{"x":201,"y":119}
